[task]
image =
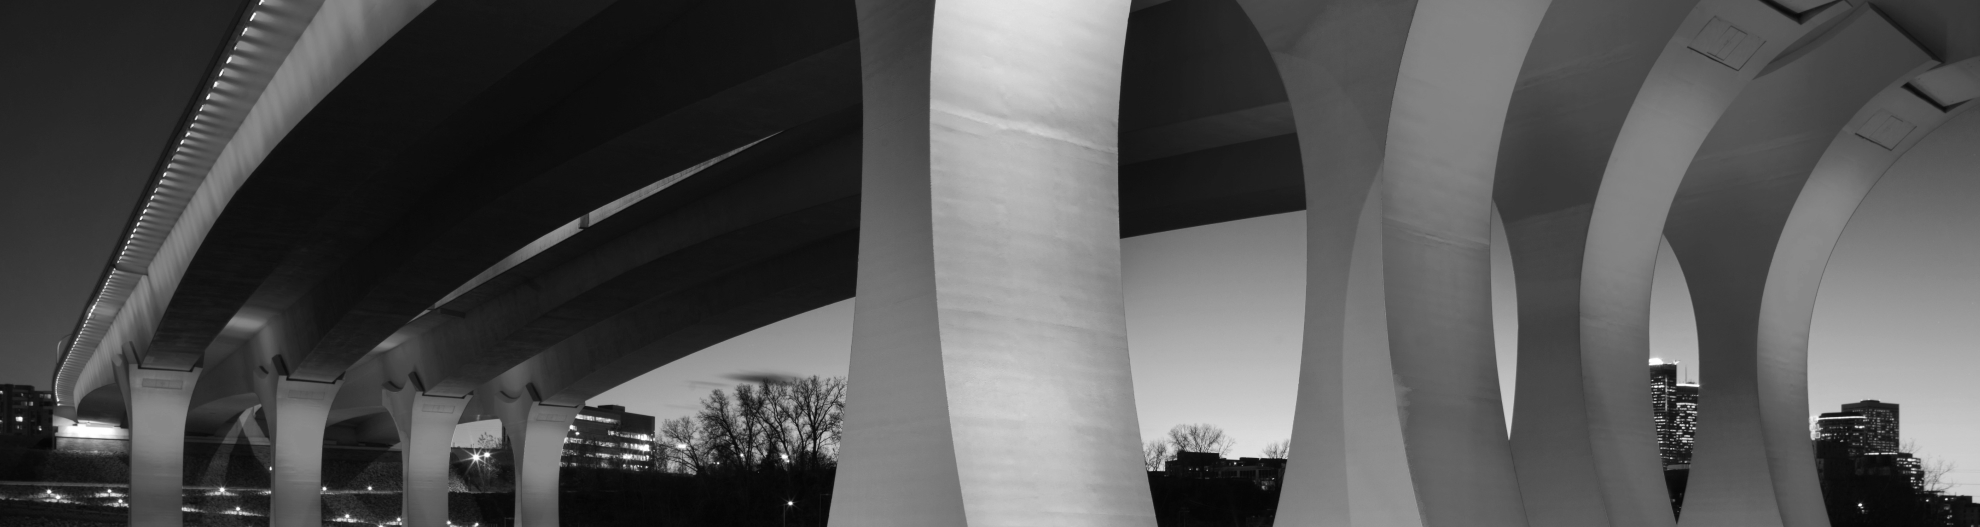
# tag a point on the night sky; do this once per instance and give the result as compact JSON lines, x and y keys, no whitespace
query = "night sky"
{"x":92,"y":92}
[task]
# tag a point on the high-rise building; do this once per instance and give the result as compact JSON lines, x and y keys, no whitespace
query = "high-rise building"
{"x":1860,"y":429}
{"x":1674,"y":406}
{"x":1684,"y":421}
{"x":1839,"y":435}
{"x":1880,"y":425}
{"x":26,"y":411}
{"x":608,"y":436}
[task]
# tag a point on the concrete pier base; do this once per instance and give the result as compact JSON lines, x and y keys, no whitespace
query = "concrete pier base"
{"x":536,"y":440}
{"x":296,"y":411}
{"x":157,"y":401}
{"x":426,"y":433}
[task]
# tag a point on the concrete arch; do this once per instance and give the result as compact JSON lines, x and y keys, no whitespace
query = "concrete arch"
{"x":1575,"y":92}
{"x":1396,"y":106}
{"x":1614,"y":85}
{"x":1584,"y":194}
{"x":1849,"y":169}
{"x":1341,"y":104}
{"x":1753,"y":464}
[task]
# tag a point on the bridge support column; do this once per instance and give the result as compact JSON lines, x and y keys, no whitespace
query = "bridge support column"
{"x":536,"y":442}
{"x":989,"y":314}
{"x":156,"y":401}
{"x":426,"y":433}
{"x":1420,"y":121}
{"x":1453,"y":87}
{"x":296,"y":411}
{"x":1753,"y":464}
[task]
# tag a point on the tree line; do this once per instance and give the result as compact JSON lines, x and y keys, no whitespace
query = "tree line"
{"x":1200,"y":438}
{"x":794,"y":423}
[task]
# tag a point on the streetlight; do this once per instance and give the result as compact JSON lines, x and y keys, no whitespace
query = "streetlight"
{"x":787,"y":511}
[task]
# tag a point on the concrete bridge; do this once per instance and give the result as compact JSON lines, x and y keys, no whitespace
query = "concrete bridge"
{"x":385,"y":216}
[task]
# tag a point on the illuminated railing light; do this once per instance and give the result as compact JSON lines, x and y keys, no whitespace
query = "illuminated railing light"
{"x":91,"y":328}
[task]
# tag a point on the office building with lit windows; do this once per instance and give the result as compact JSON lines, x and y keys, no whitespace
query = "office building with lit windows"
{"x":24,"y":411}
{"x":1674,"y":405}
{"x":608,"y":436}
{"x":1880,"y":425}
{"x":1839,"y":434}
{"x":1860,"y":429}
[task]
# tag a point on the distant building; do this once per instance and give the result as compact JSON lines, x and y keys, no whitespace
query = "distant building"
{"x":1674,"y":406}
{"x":1949,"y":510}
{"x":1864,"y":438}
{"x":24,"y":411}
{"x":1880,"y":425}
{"x":1966,"y":513}
{"x":1839,"y":435}
{"x":1267,"y":473}
{"x":1863,"y":428}
{"x":1868,"y":482}
{"x":610,"y":437}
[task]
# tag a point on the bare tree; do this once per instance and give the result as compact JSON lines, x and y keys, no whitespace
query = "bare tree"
{"x":1934,"y":477}
{"x":1154,"y":454}
{"x":812,"y":412}
{"x":1199,"y":438}
{"x":1932,"y":471}
{"x":753,"y":405}
{"x":684,"y":447}
{"x":734,"y":436}
{"x":1279,"y":450}
{"x":772,"y":423}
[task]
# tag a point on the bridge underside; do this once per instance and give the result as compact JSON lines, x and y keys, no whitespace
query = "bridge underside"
{"x":505,"y":210}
